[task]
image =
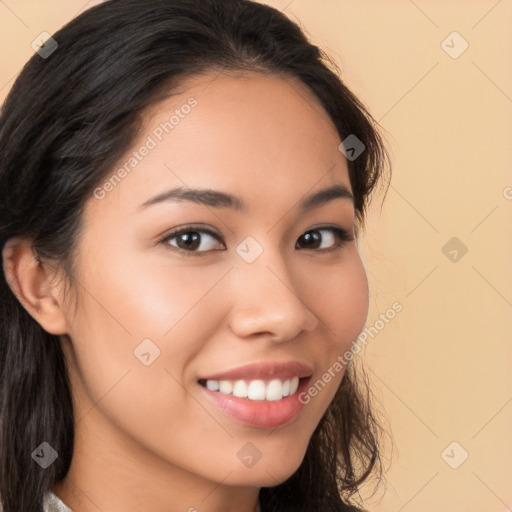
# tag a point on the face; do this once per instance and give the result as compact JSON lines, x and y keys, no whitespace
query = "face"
{"x":184,"y":300}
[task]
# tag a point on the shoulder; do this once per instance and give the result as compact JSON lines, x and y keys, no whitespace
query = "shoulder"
{"x":53,"y":503}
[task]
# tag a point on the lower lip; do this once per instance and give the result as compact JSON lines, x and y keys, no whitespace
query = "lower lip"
{"x":259,"y":413}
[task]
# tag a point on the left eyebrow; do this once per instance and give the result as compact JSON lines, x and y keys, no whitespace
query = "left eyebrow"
{"x":338,"y":191}
{"x":218,"y":199}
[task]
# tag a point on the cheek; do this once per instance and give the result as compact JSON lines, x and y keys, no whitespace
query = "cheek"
{"x":125,"y":304}
{"x":140,"y":298}
{"x":129,"y":307}
{"x":340,"y":299}
{"x":342,"y":305}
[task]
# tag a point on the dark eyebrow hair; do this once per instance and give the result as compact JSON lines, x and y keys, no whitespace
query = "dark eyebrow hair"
{"x":219,"y":199}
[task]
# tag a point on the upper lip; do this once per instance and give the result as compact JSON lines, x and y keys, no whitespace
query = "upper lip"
{"x":282,"y":370}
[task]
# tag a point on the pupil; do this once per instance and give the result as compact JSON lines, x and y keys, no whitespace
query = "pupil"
{"x":190,"y":240}
{"x":312,"y":237}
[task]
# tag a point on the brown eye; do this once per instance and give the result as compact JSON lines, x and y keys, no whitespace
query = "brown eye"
{"x":323,"y":238}
{"x":193,"y":240}
{"x":188,"y":241}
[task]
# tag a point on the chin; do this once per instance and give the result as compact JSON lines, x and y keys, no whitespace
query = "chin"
{"x":261,"y":479}
{"x":271,"y":474}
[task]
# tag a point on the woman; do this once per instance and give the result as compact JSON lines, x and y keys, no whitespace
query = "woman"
{"x":182,"y":187}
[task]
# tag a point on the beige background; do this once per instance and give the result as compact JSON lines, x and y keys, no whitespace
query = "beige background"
{"x":442,"y":367}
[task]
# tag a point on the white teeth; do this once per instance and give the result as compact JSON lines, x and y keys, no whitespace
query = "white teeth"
{"x":286,"y":387}
{"x":240,"y":389}
{"x":274,"y":390}
{"x":212,"y":385}
{"x":256,"y":389}
{"x":226,"y":387}
{"x":294,"y":384}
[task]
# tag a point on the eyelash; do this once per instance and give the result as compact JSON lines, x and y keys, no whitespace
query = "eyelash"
{"x":341,"y":234}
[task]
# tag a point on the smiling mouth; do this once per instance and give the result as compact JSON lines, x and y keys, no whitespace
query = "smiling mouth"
{"x":270,"y":390}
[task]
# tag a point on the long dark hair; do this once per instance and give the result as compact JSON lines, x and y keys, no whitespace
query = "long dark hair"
{"x":67,"y":120}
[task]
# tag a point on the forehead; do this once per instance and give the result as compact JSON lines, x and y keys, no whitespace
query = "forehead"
{"x":253,"y":134}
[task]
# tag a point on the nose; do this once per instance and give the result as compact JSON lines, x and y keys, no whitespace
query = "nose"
{"x":266,"y":301}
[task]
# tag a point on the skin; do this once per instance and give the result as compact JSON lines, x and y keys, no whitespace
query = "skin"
{"x":146,"y":437}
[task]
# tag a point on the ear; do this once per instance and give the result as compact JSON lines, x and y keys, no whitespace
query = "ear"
{"x":31,"y":282}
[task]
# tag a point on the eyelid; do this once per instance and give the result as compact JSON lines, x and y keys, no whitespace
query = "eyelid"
{"x":344,"y":236}
{"x":193,"y":227}
{"x":190,"y":228}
